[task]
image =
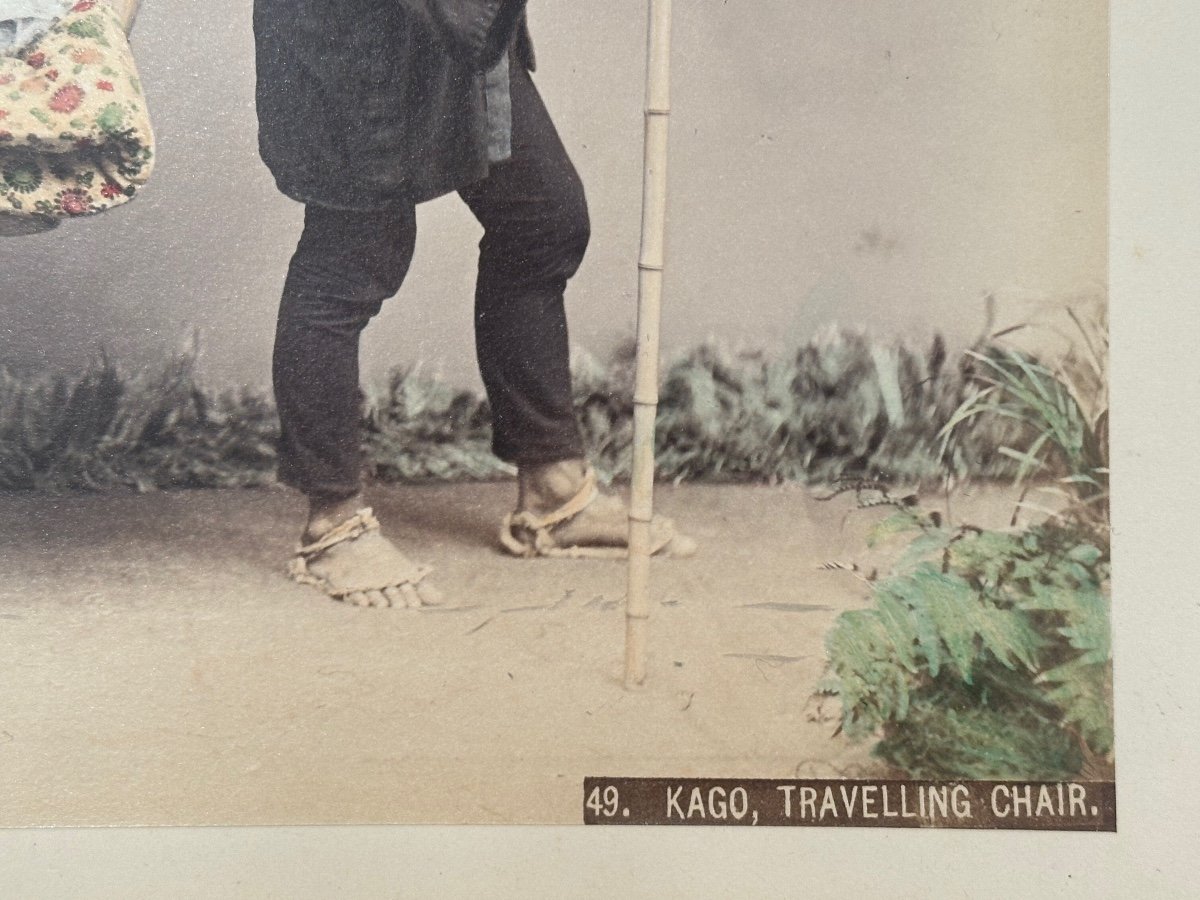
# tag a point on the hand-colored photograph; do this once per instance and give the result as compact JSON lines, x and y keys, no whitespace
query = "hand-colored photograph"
{"x":417,"y":411}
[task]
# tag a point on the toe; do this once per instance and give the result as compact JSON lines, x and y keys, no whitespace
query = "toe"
{"x":377,"y":598}
{"x":669,"y":541}
{"x":682,"y":546}
{"x":429,"y":595}
{"x":411,"y":598}
{"x":395,"y":597}
{"x":358,"y":598}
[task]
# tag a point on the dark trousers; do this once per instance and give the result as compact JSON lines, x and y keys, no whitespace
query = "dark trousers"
{"x":536,"y":230}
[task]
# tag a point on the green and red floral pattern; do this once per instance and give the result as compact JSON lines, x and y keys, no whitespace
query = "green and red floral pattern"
{"x":75,"y":137}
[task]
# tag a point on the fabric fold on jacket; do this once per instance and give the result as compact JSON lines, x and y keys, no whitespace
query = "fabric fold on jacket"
{"x":364,"y":104}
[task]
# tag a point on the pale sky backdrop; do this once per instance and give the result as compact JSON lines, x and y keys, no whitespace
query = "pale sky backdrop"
{"x":866,"y":162}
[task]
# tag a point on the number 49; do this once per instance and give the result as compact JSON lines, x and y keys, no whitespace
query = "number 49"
{"x":604,"y":803}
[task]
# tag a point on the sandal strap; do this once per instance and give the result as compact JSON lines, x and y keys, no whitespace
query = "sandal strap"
{"x":539,"y":526}
{"x":583,"y":498}
{"x":362,"y":522}
{"x":543,"y":542}
{"x":357,"y":525}
{"x":509,"y":540}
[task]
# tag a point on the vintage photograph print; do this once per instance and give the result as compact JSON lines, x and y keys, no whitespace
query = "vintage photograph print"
{"x":523,"y":411}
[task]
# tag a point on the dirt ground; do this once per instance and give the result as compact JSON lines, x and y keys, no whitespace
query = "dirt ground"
{"x":160,"y":669}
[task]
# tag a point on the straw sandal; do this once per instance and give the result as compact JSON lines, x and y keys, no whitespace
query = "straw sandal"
{"x":362,"y":526}
{"x":527,"y":535}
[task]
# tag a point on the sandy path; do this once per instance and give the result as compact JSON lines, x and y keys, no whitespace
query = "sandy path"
{"x":159,"y":669}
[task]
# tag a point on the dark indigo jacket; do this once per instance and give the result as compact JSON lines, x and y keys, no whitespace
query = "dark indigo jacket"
{"x":363,"y":104}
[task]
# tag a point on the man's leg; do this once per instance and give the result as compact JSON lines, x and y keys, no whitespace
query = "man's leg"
{"x":536,"y":230}
{"x":345,"y":266}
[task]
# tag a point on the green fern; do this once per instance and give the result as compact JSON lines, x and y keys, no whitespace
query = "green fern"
{"x":1014,"y":626}
{"x":953,"y":735}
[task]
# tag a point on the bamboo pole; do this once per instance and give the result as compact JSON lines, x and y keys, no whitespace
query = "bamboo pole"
{"x":650,"y":277}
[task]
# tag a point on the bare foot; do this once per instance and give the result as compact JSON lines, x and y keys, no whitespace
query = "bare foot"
{"x":602,"y":523}
{"x":353,"y":570}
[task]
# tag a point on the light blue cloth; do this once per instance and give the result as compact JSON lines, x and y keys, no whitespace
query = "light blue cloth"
{"x":499,"y":111}
{"x":23,"y":21}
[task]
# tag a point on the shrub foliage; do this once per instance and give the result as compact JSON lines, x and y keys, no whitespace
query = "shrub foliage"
{"x":105,"y":428}
{"x":839,"y":406}
{"x":986,"y":654}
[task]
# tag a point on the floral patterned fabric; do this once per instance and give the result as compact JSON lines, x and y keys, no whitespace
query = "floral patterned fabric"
{"x":75,"y":137}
